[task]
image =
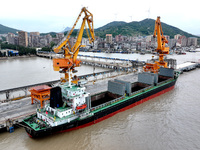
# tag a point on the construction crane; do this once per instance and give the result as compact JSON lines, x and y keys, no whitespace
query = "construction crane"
{"x":67,"y":64}
{"x":161,"y":49}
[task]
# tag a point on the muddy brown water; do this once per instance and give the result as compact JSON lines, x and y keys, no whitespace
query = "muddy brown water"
{"x":170,"y":121}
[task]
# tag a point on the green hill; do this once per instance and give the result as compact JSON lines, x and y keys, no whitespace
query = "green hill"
{"x":5,"y":30}
{"x":144,"y":27}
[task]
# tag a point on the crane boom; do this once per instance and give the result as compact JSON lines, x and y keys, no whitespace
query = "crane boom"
{"x":70,"y":61}
{"x":161,"y":49}
{"x":161,"y":39}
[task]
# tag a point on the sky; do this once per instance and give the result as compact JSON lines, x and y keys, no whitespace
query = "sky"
{"x":55,"y":15}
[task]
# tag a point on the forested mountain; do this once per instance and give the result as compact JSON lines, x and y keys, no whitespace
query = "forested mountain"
{"x":144,"y":27}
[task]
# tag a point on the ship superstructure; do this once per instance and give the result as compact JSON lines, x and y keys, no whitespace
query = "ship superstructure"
{"x":64,"y":105}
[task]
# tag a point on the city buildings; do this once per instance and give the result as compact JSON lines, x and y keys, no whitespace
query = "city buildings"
{"x":109,"y":38}
{"x":23,"y":38}
{"x":12,"y":39}
{"x":172,"y":43}
{"x":176,"y":37}
{"x":181,"y":41}
{"x":34,"y":39}
{"x":117,"y":43}
{"x":192,"y":41}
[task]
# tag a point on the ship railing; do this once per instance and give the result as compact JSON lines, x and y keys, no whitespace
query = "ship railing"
{"x":107,"y":103}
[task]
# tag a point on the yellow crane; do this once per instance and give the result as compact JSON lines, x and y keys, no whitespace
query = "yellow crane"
{"x":69,"y":62}
{"x":161,"y":49}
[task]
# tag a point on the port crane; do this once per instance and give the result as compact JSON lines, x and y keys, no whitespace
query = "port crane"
{"x":161,"y":49}
{"x":67,"y":64}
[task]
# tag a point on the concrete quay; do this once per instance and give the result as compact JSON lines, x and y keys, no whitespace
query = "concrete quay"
{"x":104,"y":62}
{"x":25,"y":89}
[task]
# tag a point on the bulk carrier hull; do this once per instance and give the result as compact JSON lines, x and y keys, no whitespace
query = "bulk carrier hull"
{"x":97,"y":115}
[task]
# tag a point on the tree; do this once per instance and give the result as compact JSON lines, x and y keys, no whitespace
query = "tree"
{"x":48,"y":49}
{"x":22,"y":50}
{"x":52,"y":44}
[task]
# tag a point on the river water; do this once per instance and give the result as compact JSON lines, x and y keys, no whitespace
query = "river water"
{"x":170,"y":121}
{"x":27,"y":71}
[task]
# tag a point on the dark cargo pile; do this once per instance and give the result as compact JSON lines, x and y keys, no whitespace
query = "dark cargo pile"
{"x":103,"y":98}
{"x":138,"y":86}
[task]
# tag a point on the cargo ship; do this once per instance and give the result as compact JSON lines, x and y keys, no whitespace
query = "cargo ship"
{"x":71,"y":107}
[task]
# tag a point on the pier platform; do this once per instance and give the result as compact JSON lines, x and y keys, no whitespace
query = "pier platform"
{"x":104,"y":62}
{"x":187,"y":66}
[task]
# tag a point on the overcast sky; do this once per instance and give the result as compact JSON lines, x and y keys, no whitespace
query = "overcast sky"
{"x":45,"y":16}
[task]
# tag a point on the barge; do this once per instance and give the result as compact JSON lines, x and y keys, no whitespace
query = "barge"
{"x":71,"y":107}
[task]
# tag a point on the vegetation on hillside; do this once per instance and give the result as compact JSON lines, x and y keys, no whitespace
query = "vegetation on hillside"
{"x":143,"y":28}
{"x":5,"y":30}
{"x":53,"y":34}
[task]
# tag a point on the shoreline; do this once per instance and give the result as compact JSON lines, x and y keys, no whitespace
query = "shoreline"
{"x":16,"y":57}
